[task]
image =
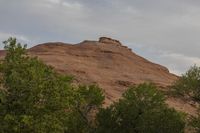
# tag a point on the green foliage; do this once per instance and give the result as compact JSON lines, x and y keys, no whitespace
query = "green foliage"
{"x":195,"y":123}
{"x":141,"y":110}
{"x":88,"y":100}
{"x":189,"y":84}
{"x":34,"y":98}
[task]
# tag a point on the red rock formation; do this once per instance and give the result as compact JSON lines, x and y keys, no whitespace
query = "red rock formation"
{"x":109,"y":41}
{"x":107,"y":63}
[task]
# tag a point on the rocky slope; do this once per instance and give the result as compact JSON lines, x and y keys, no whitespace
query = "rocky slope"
{"x":106,"y":62}
{"x":109,"y":64}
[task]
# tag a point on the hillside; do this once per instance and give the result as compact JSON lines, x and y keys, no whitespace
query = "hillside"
{"x":109,"y":64}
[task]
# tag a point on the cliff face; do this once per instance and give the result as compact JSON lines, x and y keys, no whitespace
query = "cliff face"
{"x":106,"y":62}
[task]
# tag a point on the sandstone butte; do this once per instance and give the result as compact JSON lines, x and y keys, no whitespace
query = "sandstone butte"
{"x":109,"y":64}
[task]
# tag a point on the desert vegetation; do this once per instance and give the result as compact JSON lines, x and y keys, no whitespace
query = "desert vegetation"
{"x":34,"y":98}
{"x":188,"y":88}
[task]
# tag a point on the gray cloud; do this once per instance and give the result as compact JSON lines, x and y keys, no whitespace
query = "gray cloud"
{"x":168,"y":26}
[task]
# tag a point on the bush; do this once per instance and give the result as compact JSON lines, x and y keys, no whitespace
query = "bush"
{"x":195,"y":123}
{"x":88,"y":100}
{"x":141,"y":110}
{"x":34,"y":98}
{"x":189,"y":84}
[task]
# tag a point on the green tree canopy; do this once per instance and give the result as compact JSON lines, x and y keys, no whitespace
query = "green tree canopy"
{"x":88,"y":101}
{"x":141,"y":110}
{"x":189,"y":84}
{"x":34,"y":98}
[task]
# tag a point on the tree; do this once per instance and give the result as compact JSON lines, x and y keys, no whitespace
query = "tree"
{"x":140,"y":110}
{"x":88,"y":101}
{"x":195,"y":123}
{"x":33,"y":97}
{"x":188,"y":84}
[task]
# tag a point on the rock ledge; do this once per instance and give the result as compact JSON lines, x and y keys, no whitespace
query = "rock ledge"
{"x":108,"y":40}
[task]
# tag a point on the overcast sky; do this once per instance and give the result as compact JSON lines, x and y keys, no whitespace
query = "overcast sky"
{"x":164,"y":31}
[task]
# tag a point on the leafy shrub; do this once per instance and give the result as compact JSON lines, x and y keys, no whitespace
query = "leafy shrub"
{"x":34,"y":98}
{"x":195,"y":123}
{"x":88,"y":100}
{"x":189,"y":84}
{"x":141,"y":110}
